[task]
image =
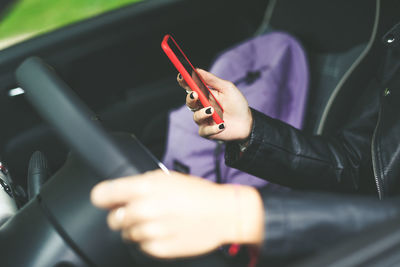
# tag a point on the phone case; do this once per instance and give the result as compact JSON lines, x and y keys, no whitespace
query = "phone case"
{"x":187,"y":77}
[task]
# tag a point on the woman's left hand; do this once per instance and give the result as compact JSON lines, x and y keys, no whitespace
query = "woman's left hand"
{"x":169,"y":216}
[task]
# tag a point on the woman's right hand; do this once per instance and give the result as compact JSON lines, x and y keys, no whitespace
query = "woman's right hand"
{"x":237,"y":115}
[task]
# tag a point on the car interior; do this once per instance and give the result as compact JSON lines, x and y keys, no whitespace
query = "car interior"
{"x":114,"y":64}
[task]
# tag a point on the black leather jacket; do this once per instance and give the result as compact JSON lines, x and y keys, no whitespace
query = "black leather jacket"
{"x":363,"y":158}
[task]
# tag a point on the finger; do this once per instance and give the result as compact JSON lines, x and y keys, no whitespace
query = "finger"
{"x":192,"y":101}
{"x":116,"y":218}
{"x":146,"y":232}
{"x":208,"y":131}
{"x":112,"y":193}
{"x":133,"y":213}
{"x":118,"y":192}
{"x":214,"y":81}
{"x":202,"y":115}
{"x":155,"y":248}
{"x":182,"y":83}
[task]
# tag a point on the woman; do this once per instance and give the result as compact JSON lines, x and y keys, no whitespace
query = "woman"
{"x":178,"y":215}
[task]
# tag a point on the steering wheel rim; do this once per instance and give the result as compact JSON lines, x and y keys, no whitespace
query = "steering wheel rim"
{"x":104,"y":154}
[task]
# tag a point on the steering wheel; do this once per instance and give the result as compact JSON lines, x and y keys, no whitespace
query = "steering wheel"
{"x":66,"y":225}
{"x":106,"y":156}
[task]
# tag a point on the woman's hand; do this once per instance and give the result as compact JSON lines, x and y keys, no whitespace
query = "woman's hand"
{"x":237,"y":115}
{"x":178,"y":215}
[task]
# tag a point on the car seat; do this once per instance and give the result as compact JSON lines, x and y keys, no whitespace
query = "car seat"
{"x":341,"y":39}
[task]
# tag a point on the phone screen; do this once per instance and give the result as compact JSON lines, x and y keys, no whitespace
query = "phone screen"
{"x":193,"y":73}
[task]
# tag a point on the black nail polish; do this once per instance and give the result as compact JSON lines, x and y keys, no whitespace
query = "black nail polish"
{"x":191,"y":95}
{"x":208,"y":111}
{"x":180,"y":76}
{"x":221,"y":126}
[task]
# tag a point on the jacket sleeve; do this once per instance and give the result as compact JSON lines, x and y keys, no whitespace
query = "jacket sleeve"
{"x":298,"y":223}
{"x":287,"y":156}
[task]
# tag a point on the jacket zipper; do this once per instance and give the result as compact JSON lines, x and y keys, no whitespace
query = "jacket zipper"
{"x":374,"y":164}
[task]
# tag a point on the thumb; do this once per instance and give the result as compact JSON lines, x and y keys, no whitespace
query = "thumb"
{"x":214,"y":81}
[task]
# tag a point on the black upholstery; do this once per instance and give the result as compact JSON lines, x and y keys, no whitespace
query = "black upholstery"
{"x":352,"y":85}
{"x":334,"y":33}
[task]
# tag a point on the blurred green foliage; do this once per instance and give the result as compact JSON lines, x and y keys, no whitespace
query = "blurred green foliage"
{"x":30,"y":17}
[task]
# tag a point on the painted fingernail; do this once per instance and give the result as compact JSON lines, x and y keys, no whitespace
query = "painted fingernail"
{"x":179,"y":76}
{"x":208,"y":111}
{"x":191,"y":95}
{"x":221,"y":126}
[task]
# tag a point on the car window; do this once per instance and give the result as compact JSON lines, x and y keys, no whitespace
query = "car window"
{"x":27,"y":18}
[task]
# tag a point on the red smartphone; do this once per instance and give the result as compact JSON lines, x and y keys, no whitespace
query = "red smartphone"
{"x":191,"y":76}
